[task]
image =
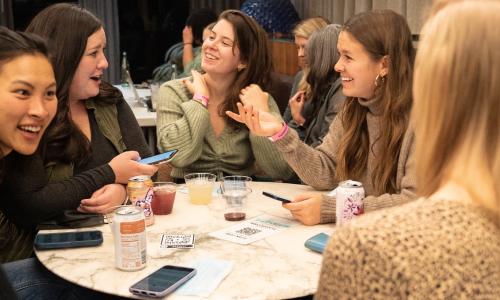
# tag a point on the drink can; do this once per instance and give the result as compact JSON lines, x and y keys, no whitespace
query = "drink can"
{"x":129,"y":231}
{"x":349,"y":201}
{"x":140,"y":193}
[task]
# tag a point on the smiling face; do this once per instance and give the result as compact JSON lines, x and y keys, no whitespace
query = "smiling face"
{"x":219,"y":52}
{"x":27,"y":102}
{"x":301,"y":43}
{"x":88,"y":75}
{"x":357,"y":68}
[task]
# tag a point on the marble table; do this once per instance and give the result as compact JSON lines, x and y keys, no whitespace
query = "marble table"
{"x":276,"y":267}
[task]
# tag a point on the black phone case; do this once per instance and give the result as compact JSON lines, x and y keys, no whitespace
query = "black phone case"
{"x":41,"y":243}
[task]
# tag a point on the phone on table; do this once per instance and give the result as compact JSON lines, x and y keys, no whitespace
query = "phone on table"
{"x":72,"y":239}
{"x":159,"y":159}
{"x":163,"y":281}
{"x":276,"y":197}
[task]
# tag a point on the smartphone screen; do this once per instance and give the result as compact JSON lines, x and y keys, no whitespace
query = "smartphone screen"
{"x":163,"y":281}
{"x":276,"y":197}
{"x":158,"y":159}
{"x":68,"y":239}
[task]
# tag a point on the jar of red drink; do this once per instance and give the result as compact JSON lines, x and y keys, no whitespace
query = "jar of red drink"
{"x":163,"y":197}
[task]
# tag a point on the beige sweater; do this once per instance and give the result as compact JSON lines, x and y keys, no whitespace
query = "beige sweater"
{"x":316,"y":166}
{"x":427,"y":249}
{"x":184,"y":125}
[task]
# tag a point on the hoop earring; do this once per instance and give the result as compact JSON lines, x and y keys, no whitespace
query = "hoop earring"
{"x":379,"y":79}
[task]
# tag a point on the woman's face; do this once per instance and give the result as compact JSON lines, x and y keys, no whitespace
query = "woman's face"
{"x":357,"y":68}
{"x":301,"y":43}
{"x":28,"y":102}
{"x":217,"y":50}
{"x":88,"y":75}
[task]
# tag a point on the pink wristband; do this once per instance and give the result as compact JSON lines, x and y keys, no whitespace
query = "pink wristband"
{"x":280,"y":134}
{"x":202,"y":98}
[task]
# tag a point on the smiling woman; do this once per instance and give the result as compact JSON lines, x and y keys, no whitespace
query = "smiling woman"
{"x":82,"y":161}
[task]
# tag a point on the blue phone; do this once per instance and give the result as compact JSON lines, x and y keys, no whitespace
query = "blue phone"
{"x":276,"y":197}
{"x":159,"y":159}
{"x":72,"y":239}
{"x":318,"y":242}
{"x":163,"y":281}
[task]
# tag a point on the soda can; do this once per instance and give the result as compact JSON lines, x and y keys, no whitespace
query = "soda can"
{"x":140,"y":193}
{"x":349,"y":201}
{"x":129,"y":232}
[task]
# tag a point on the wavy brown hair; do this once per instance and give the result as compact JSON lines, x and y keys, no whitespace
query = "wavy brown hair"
{"x":67,"y":28}
{"x":382,"y":33}
{"x":252,"y":41}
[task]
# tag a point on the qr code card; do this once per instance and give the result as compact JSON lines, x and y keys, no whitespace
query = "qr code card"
{"x":177,"y":241}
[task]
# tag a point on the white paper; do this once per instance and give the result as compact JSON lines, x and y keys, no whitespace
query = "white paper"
{"x":253,"y":230}
{"x":177,"y":241}
{"x":209,"y":274}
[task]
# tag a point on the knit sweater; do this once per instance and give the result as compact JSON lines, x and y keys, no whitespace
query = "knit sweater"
{"x":185,"y":125}
{"x":428,"y":249}
{"x":317,"y":166}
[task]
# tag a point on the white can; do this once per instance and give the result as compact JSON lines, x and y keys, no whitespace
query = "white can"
{"x":349,"y":201}
{"x":129,"y":231}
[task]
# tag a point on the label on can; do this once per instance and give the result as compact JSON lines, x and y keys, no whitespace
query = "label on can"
{"x":349,"y":201}
{"x":140,"y":193}
{"x":129,"y":230}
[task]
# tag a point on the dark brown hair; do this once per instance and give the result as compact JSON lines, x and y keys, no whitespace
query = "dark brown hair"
{"x":255,"y":52}
{"x":13,"y":45}
{"x":382,"y":33}
{"x":67,"y":28}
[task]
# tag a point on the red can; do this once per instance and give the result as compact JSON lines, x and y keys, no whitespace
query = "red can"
{"x":140,"y":193}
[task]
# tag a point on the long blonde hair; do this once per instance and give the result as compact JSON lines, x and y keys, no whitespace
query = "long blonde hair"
{"x":305,"y":29}
{"x":457,"y":102}
{"x":382,"y":33}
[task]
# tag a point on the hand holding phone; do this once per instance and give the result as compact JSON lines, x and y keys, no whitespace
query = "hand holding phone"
{"x":276,"y":197}
{"x":163,"y":281}
{"x":72,"y":239}
{"x":159,"y":159}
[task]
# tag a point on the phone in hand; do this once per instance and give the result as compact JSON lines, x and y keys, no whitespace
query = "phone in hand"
{"x":159,"y":159}
{"x":276,"y":197}
{"x":72,"y":239}
{"x":163,"y":281}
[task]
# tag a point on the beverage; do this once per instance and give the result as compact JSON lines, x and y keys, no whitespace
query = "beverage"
{"x":200,"y":192}
{"x":163,"y":197}
{"x":200,"y":187}
{"x":129,"y":231}
{"x":235,"y":203}
{"x":349,"y":201}
{"x":140,"y":193}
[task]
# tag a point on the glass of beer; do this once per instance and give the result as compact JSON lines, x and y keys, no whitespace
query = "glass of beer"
{"x":200,"y":186}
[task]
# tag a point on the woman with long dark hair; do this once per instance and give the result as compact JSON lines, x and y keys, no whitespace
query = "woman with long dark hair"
{"x":370,"y":140}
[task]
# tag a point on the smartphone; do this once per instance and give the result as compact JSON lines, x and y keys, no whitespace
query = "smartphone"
{"x":318,"y":242}
{"x":163,"y":281}
{"x":68,"y":239}
{"x":159,"y":159}
{"x":276,"y":197}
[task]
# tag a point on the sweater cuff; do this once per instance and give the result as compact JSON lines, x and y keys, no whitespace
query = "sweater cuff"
{"x":288,"y":142}
{"x":108,"y":174}
{"x":327,"y":209}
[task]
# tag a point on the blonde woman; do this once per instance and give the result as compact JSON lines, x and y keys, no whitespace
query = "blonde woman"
{"x":301,"y":88}
{"x":446,"y":245}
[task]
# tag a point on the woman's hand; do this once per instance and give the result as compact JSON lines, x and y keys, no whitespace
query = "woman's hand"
{"x":255,"y":96}
{"x":198,"y":86}
{"x":104,"y":200}
{"x":125,"y":166}
{"x":296,"y":106}
{"x":306,"y":208}
{"x":187,"y":35}
{"x":259,"y":123}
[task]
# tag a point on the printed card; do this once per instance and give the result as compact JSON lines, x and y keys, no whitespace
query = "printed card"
{"x":177,"y":241}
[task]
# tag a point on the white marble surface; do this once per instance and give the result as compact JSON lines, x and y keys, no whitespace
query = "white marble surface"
{"x":273,"y":268}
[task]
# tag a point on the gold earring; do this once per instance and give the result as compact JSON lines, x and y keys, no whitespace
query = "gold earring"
{"x":379,"y":78}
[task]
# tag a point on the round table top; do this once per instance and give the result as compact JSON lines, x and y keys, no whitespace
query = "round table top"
{"x":276,"y":267}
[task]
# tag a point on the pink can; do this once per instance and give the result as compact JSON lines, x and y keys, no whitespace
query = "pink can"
{"x":349,"y":201}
